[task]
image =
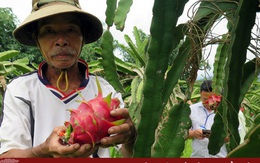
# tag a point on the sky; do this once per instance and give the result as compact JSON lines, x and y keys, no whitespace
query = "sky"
{"x":140,"y":14}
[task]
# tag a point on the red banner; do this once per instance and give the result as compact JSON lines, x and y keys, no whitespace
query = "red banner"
{"x":132,"y":160}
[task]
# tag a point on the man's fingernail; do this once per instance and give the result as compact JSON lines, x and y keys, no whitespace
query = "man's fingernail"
{"x":76,"y":146}
{"x":104,"y":140}
{"x":113,"y":112}
{"x":88,"y":146}
{"x":111,"y":130}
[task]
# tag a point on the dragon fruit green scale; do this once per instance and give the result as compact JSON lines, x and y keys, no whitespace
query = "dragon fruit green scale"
{"x":90,"y":122}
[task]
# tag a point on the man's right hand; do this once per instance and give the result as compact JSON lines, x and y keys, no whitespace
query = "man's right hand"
{"x":53,"y":147}
{"x":198,"y":134}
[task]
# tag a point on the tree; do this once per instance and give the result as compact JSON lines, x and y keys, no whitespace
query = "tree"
{"x":89,"y":51}
{"x":8,"y":23}
{"x":127,"y":52}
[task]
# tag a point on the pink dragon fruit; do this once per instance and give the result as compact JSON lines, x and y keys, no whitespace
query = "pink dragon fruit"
{"x":90,"y":122}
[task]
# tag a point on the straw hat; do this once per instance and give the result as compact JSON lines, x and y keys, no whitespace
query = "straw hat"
{"x":92,"y":27}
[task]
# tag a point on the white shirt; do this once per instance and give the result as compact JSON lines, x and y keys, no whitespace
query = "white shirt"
{"x":201,"y":118}
{"x":242,"y":126}
{"x":32,"y":108}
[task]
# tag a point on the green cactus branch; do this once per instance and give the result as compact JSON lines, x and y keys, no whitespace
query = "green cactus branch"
{"x":173,"y":133}
{"x":244,"y":22}
{"x":164,"y":19}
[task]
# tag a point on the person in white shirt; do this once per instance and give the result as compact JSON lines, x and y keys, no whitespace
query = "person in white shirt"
{"x":36,"y":105}
{"x":202,"y":118}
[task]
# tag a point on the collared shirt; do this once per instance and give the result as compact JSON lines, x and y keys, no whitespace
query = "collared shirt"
{"x":203,"y":119}
{"x":32,"y":108}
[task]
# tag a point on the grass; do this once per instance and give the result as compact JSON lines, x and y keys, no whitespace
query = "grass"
{"x":187,"y":150}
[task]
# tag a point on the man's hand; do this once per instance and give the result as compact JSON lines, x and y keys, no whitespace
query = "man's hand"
{"x":122,"y":134}
{"x":53,"y":147}
{"x":198,"y":134}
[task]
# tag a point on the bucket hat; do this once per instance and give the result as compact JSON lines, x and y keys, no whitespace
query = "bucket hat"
{"x":91,"y":25}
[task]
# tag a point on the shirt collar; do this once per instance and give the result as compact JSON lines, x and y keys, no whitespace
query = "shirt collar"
{"x":81,"y":63}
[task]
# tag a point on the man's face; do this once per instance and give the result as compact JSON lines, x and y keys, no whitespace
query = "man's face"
{"x":60,"y":40}
{"x":204,"y":96}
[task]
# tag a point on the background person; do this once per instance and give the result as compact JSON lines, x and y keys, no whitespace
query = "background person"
{"x":202,"y":118}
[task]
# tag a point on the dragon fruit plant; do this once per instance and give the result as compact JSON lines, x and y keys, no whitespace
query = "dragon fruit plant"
{"x":89,"y":123}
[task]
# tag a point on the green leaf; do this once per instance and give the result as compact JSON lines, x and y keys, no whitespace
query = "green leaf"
{"x":207,"y":8}
{"x":5,"y":56}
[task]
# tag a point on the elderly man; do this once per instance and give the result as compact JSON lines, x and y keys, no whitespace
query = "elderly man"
{"x":36,"y":105}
